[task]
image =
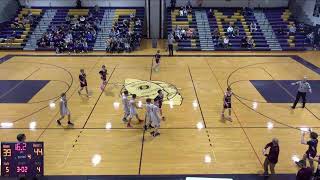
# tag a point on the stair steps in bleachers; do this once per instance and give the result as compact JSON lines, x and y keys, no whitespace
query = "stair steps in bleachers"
{"x":204,"y":31}
{"x":104,"y":26}
{"x":40,"y":29}
{"x":267,"y":30}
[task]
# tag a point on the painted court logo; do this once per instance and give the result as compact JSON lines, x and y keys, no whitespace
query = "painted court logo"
{"x":148,"y":89}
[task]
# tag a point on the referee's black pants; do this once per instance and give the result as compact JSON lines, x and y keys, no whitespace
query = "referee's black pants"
{"x":170,"y":47}
{"x":300,"y":94}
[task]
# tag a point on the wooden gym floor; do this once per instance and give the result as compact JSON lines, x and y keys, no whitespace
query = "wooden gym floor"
{"x":233,"y":147}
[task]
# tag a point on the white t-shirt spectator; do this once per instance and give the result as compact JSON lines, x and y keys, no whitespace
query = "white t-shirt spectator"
{"x":226,"y":40}
{"x":230,"y":29}
{"x":292,"y":29}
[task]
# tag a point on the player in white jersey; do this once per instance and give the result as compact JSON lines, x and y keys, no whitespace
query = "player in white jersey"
{"x":64,"y":110}
{"x":155,"y":118}
{"x":148,"y":114}
{"x":133,"y":110}
{"x":125,"y":103}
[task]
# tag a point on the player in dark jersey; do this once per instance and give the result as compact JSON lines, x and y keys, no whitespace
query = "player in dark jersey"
{"x":159,"y":99}
{"x":83,"y":82}
{"x":227,"y":102}
{"x":157,"y":58}
{"x":312,"y":147}
{"x":103,"y":75}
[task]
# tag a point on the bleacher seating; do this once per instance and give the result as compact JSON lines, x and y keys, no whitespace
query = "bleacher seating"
{"x":220,"y":18}
{"x":174,"y":19}
{"x":281,"y":18}
{"x":14,"y":36}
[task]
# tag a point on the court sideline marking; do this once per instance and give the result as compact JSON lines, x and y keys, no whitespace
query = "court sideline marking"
{"x":203,"y":119}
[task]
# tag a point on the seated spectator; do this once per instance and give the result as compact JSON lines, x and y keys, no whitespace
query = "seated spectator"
{"x":138,"y":23}
{"x":253,"y":27}
{"x":226,"y":42}
{"x":181,"y":12}
{"x":189,"y":7}
{"x":132,"y":17}
{"x":220,"y":42}
{"x":236,"y":31}
{"x":183,"y":33}
{"x":292,"y":30}
{"x":230,"y":31}
{"x":210,"y":13}
{"x":281,"y":31}
{"x":190,"y":33}
{"x":96,"y":9}
{"x":215,"y":33}
{"x":300,"y":27}
{"x":250,"y":42}
{"x":244,"y":42}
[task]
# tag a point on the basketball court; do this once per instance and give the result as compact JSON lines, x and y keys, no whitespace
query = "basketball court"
{"x":194,"y":139}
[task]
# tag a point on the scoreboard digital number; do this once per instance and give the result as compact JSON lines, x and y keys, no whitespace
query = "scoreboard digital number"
{"x":22,"y":159}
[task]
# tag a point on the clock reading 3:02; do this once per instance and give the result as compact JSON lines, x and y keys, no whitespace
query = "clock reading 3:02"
{"x":22,"y":159}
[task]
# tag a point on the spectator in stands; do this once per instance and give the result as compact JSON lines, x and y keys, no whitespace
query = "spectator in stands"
{"x":138,"y":23}
{"x":220,"y":41}
{"x":79,"y":4}
{"x":292,"y":30}
{"x":250,"y":42}
{"x":173,"y":4}
{"x":189,"y":7}
{"x":226,"y":42}
{"x":301,"y":27}
{"x":210,"y":14}
{"x":236,"y":31}
{"x":215,"y":33}
{"x":281,"y":30}
{"x":244,"y":42}
{"x":230,"y":30}
{"x":132,"y":17}
{"x":96,"y":9}
{"x":253,"y":27}
{"x":190,"y":33}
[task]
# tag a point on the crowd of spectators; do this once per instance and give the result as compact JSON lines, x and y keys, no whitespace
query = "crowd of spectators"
{"x":72,"y":36}
{"x":122,"y":37}
{"x":21,"y":22}
{"x":181,"y":33}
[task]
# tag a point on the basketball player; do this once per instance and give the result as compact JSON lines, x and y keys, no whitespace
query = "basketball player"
{"x":125,"y":103}
{"x":133,"y":110}
{"x":157,"y":57}
{"x":155,"y":118}
{"x":83,"y":82}
{"x":159,"y":99}
{"x":312,"y":149}
{"x":64,"y":110}
{"x":103,"y":73}
{"x":227,"y":102}
{"x":304,"y":87}
{"x":148,"y":114}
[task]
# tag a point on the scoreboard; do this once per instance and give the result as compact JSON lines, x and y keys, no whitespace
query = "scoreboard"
{"x":19,"y":159}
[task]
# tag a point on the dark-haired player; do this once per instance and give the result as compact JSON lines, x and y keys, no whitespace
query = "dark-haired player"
{"x":159,"y":99}
{"x":83,"y":82}
{"x":227,"y":102}
{"x":312,"y":147}
{"x":103,"y":75}
{"x":157,"y":57}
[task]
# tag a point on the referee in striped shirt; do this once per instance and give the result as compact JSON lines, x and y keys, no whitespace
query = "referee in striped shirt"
{"x":304,"y":87}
